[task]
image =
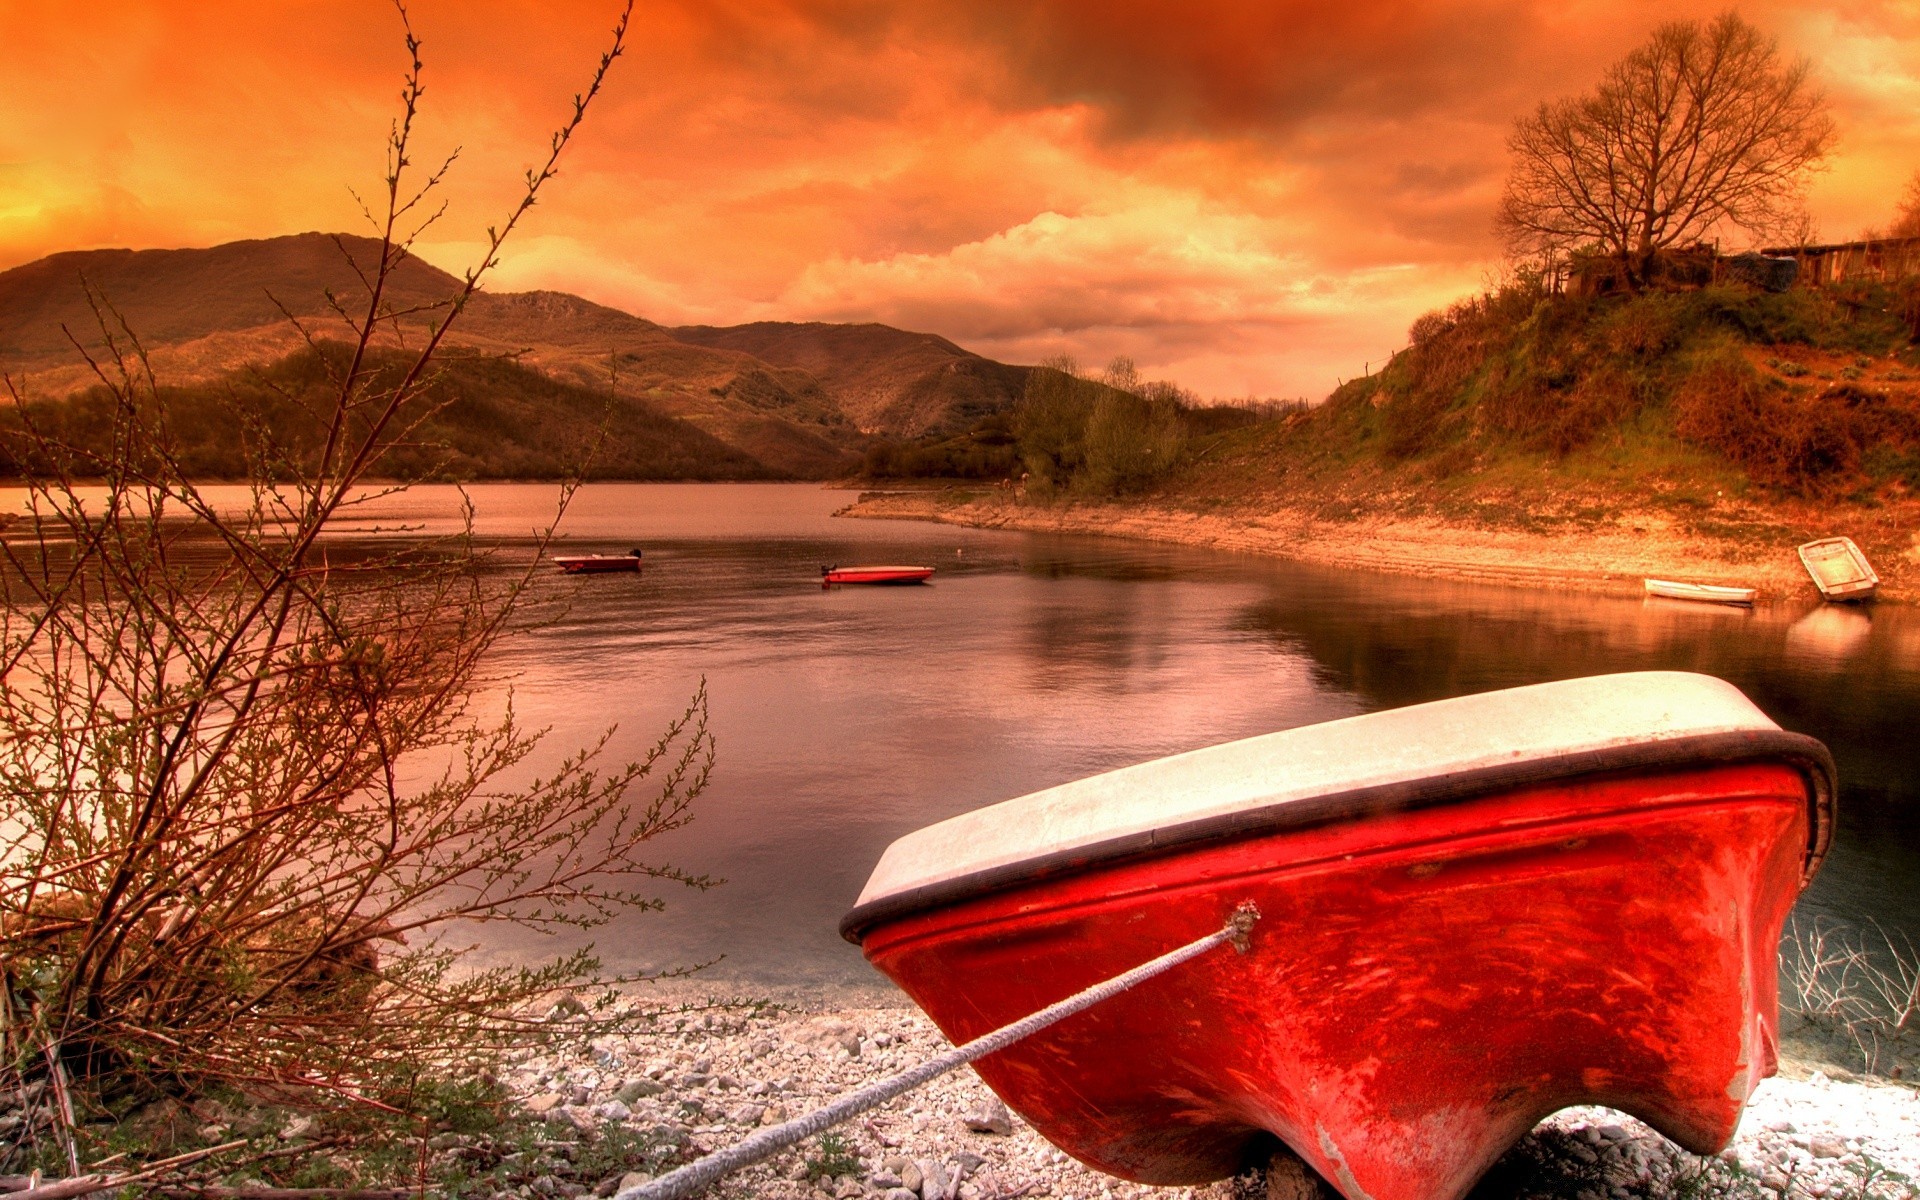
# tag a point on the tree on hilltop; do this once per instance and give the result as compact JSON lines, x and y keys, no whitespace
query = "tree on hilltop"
{"x":1704,"y":127}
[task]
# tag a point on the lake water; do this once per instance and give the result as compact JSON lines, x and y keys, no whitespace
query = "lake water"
{"x":846,"y":718}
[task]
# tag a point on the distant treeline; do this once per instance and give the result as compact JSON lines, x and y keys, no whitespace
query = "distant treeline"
{"x":482,"y":417}
{"x":1096,"y":436}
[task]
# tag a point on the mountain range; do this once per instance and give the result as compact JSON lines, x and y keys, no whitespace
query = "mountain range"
{"x":765,"y":400}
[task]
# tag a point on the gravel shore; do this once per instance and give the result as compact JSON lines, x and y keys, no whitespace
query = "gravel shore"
{"x":1610,"y":558}
{"x":706,"y":1080}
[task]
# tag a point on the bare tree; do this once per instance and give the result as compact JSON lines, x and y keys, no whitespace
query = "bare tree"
{"x":247,"y":774}
{"x":1906,"y":216}
{"x":1703,"y":128}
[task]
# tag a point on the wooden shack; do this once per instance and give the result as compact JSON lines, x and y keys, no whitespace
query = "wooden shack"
{"x":1838,"y":262}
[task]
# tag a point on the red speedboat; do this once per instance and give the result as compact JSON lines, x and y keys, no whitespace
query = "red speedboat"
{"x":873,"y":574}
{"x":597,"y":564}
{"x":1473,"y":913}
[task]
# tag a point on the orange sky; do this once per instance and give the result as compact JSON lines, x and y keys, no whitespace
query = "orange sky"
{"x":1247,"y":197}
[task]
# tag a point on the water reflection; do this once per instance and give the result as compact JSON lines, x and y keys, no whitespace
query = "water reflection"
{"x":847,"y":717}
{"x":1844,"y":675}
{"x":1829,"y":635}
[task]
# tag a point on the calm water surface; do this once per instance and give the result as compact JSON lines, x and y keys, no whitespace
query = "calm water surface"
{"x":846,"y":718}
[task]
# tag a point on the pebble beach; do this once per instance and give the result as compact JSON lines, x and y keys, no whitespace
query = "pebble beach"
{"x":704,"y":1080}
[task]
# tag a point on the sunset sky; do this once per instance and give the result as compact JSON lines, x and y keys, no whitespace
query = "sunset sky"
{"x":1247,"y":198}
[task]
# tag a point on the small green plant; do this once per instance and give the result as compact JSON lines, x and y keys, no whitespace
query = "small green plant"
{"x":836,"y":1158}
{"x":1722,"y":1179}
{"x":622,"y":1148}
{"x":1874,"y":1180}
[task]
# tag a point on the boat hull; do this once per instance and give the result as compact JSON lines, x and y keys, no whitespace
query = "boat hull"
{"x":598,"y":564}
{"x":876,"y":575}
{"x":1422,"y":987}
{"x":1706,"y":593}
{"x":1839,"y":570}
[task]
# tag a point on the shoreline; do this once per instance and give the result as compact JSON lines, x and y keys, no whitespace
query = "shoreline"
{"x":1609,"y":560}
{"x":704,"y":1080}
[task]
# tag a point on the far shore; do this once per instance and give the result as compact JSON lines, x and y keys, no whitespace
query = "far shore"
{"x":1613,"y":559}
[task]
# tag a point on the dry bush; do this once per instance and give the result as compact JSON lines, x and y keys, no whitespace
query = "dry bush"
{"x":1777,"y":438}
{"x":1835,"y":440}
{"x":1860,"y":985}
{"x":249,"y":780}
{"x":1454,"y":355}
{"x":1561,"y":419}
{"x":1431,"y":376}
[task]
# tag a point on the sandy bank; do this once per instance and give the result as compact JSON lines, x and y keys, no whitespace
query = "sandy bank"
{"x":1612,"y":558}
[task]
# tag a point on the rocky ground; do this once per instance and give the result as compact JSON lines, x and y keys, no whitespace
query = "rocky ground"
{"x":706,"y":1080}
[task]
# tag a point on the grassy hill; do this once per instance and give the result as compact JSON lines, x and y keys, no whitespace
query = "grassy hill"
{"x":1536,"y":404}
{"x":489,"y":418}
{"x":799,"y":400}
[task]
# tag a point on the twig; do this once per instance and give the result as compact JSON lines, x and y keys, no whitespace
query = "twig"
{"x":288,"y":1193}
{"x":57,"y":1074}
{"x":86,"y":1185}
{"x":255,"y":1160}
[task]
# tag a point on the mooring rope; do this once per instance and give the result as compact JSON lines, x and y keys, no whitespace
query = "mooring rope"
{"x":694,"y":1177}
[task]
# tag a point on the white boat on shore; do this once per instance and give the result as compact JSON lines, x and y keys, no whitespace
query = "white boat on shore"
{"x":1708,"y":593}
{"x":1839,"y":570}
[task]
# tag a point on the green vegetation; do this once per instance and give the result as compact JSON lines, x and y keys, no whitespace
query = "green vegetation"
{"x":836,"y":1157}
{"x":1798,"y":391}
{"x":989,"y":450}
{"x":481,"y":417}
{"x":1106,"y":436}
{"x":1809,"y":392}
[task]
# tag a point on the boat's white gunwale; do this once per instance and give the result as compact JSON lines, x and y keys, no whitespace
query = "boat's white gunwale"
{"x":1803,"y":753}
{"x":1535,"y":733}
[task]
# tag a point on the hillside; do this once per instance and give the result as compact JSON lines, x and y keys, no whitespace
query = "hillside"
{"x":490,"y":418}
{"x":1529,"y":437}
{"x":889,"y":381}
{"x":797,"y":407}
{"x":1692,"y":401}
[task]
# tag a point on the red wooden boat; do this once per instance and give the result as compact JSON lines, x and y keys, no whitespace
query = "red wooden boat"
{"x":874,"y":574}
{"x":1474,"y":913}
{"x":597,"y":564}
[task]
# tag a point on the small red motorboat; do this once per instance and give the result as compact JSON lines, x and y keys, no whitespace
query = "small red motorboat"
{"x":1473,"y":913}
{"x":598,"y":564}
{"x":873,"y":574}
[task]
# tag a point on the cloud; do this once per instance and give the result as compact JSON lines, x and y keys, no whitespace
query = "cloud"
{"x":1223,"y":306}
{"x":1241,"y":196}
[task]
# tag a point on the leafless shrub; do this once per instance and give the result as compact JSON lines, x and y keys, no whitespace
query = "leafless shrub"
{"x":247,"y":782}
{"x":1863,"y":985}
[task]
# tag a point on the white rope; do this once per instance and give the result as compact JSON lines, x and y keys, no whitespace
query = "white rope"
{"x":695,"y":1177}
